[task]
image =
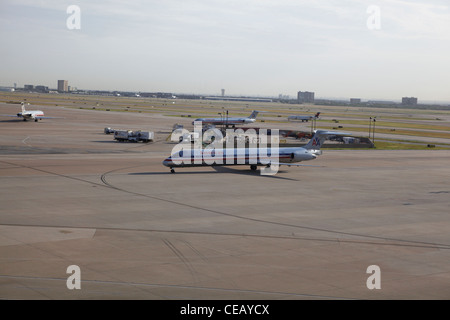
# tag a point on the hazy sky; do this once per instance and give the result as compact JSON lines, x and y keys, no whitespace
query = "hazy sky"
{"x":248,"y":47}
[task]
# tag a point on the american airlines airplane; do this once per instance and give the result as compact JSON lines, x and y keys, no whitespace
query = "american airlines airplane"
{"x":249,"y":156}
{"x":30,"y":114}
{"x":34,"y":115}
{"x":229,"y":121}
{"x":304,"y":118}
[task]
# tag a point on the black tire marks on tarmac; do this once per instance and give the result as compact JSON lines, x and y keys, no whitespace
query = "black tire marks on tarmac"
{"x":370,"y":239}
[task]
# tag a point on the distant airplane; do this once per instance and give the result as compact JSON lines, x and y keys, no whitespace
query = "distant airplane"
{"x":249,"y":156}
{"x":229,"y":121}
{"x":30,"y":114}
{"x":304,"y":118}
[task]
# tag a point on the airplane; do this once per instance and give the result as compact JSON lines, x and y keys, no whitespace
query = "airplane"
{"x":30,"y":114}
{"x":304,"y":118}
{"x":249,"y":156}
{"x":229,"y":121}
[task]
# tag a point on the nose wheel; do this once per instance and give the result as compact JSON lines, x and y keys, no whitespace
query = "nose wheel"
{"x":172,"y":170}
{"x":253,"y":167}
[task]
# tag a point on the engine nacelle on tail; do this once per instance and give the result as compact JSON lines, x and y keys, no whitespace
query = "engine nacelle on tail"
{"x":315,"y":152}
{"x":302,"y":155}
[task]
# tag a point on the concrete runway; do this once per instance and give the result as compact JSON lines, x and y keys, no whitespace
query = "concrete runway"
{"x":70,"y":195}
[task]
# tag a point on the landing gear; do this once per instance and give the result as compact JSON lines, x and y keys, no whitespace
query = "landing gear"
{"x":253,"y":167}
{"x":172,"y":170}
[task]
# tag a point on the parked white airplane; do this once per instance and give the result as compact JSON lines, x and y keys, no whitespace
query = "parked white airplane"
{"x":229,"y":121}
{"x":249,"y":156}
{"x":30,"y":114}
{"x":304,"y":118}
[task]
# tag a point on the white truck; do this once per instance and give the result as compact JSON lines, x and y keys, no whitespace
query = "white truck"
{"x":134,"y":136}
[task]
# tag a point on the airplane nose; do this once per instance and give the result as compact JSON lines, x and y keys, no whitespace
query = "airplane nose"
{"x":166,"y":162}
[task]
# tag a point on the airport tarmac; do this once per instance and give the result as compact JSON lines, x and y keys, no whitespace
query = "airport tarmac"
{"x":70,"y":195}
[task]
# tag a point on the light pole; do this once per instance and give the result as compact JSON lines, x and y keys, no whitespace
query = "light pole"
{"x":313,"y":125}
{"x":372,"y":128}
{"x":227,"y":120}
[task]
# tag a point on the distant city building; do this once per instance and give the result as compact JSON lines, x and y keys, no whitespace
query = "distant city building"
{"x":355,"y":100}
{"x":28,"y":87}
{"x":409,"y":101}
{"x":223,"y":92}
{"x":42,"y":89}
{"x":305,"y":96}
{"x":63,"y":85}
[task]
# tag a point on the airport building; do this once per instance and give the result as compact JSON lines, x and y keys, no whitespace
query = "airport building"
{"x":41,"y":89}
{"x":7,"y":89}
{"x":63,"y":85}
{"x":305,"y":96}
{"x":409,"y":101}
{"x":243,"y":99}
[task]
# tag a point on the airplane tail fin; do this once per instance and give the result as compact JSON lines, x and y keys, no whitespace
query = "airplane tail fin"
{"x":253,"y":115}
{"x":23,"y":107}
{"x":317,"y":115}
{"x":319,"y":137}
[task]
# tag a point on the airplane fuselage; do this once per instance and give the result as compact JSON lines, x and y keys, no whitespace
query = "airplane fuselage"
{"x":237,"y":156}
{"x":35,"y":114}
{"x":303,"y":119}
{"x":229,"y":121}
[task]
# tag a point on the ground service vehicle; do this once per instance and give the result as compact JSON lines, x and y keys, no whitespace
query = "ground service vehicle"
{"x":133,"y":136}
